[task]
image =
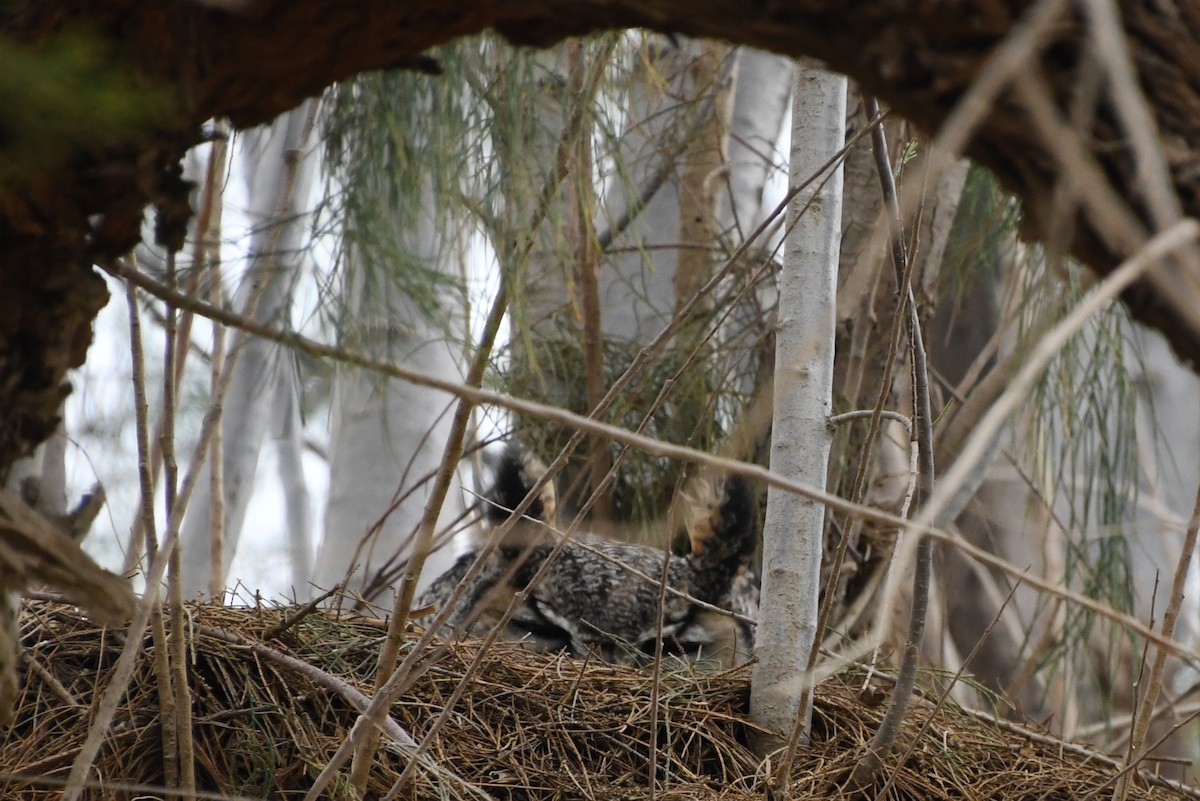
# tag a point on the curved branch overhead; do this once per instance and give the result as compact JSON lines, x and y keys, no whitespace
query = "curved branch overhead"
{"x":249,"y":60}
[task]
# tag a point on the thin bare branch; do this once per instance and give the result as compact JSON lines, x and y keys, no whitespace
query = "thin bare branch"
{"x":126,"y":662}
{"x":922,"y":432}
{"x":162,"y":665}
{"x":178,"y":746}
{"x":667,"y":450}
{"x":210,"y":228}
{"x":1151,"y":686}
{"x":1046,"y":349}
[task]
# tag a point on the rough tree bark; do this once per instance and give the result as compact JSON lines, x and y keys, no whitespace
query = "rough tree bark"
{"x":252,"y":60}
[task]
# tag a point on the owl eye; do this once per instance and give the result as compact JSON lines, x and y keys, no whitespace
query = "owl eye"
{"x":529,"y":626}
{"x":682,"y":648}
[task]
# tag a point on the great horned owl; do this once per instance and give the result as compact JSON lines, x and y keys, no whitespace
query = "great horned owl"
{"x":601,"y":598}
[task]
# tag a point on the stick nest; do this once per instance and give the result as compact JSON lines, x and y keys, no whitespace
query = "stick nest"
{"x":529,"y":726}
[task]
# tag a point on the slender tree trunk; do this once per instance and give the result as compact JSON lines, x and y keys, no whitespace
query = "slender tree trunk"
{"x":760,"y":105}
{"x":756,"y":144}
{"x":668,"y":105}
{"x":803,"y":402}
{"x":283,"y":167}
{"x":389,"y":435}
{"x":290,"y":450}
{"x":658,"y":228}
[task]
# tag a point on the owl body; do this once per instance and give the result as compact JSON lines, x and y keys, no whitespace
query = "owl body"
{"x":599,"y":598}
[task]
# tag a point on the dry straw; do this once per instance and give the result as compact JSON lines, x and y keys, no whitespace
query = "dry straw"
{"x":532,"y":726}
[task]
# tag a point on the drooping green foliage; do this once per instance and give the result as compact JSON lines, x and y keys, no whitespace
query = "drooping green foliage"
{"x":1075,"y":443}
{"x":483,"y":156}
{"x":406,"y":153}
{"x":641,"y":118}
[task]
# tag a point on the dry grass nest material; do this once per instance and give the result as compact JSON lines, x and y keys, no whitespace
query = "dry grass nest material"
{"x":529,"y":726}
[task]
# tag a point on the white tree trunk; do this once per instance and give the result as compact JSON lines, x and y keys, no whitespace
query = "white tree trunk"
{"x":276,"y":248}
{"x":803,"y":400}
{"x":760,"y":104}
{"x":37,"y":468}
{"x":290,"y":448}
{"x":388,"y":436}
{"x":757,"y":143}
{"x":662,"y":177}
{"x":637,"y":285}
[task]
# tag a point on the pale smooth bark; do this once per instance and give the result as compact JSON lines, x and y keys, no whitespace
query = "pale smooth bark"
{"x":278,"y":193}
{"x":756,"y":162}
{"x":671,"y":121}
{"x":298,"y":499}
{"x":544,"y":293}
{"x":801,"y":436}
{"x":637,"y":283}
{"x":388,"y":436}
{"x":46,"y":470}
{"x":760,"y":105}
{"x":1167,"y":423}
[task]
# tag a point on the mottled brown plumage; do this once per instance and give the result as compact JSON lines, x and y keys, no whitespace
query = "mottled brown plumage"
{"x":601,"y":598}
